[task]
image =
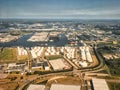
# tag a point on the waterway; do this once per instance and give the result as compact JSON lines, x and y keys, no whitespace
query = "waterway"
{"x":22,"y":41}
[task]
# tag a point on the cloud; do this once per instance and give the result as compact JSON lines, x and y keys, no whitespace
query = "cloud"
{"x":67,"y":13}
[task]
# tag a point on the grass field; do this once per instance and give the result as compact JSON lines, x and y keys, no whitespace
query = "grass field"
{"x":22,"y":58}
{"x":8,"y":54}
{"x":69,"y":80}
{"x":53,"y":57}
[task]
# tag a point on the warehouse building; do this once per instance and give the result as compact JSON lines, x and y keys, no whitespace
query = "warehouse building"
{"x":99,"y":84}
{"x":36,"y":87}
{"x":64,"y":87}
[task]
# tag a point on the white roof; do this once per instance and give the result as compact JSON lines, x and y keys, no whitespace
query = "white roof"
{"x":64,"y":87}
{"x":57,"y":64}
{"x":36,"y":87}
{"x":99,"y":84}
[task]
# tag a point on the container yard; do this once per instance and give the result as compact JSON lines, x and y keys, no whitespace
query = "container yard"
{"x":37,"y":37}
{"x":5,"y":37}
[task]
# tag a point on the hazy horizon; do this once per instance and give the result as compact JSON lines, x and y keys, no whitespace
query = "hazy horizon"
{"x":60,"y":9}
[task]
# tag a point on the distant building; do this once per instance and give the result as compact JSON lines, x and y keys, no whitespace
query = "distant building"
{"x":64,"y":87}
{"x":36,"y":87}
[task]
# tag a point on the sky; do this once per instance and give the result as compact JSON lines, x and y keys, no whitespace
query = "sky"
{"x":60,"y":9}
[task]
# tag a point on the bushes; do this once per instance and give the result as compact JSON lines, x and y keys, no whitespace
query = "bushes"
{"x":114,"y":66}
{"x":114,"y":86}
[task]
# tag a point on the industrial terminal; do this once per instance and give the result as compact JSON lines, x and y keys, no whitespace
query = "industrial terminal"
{"x":68,"y":55}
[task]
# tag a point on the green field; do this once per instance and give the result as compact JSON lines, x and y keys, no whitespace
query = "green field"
{"x":53,"y":57}
{"x":8,"y":54}
{"x":114,"y":86}
{"x":114,"y":67}
{"x":113,"y":64}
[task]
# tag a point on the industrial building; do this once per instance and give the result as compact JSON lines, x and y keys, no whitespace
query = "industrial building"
{"x":17,"y":67}
{"x":64,"y":87}
{"x":36,"y":87}
{"x":58,"y":64}
{"x":99,"y":84}
{"x":38,"y":65}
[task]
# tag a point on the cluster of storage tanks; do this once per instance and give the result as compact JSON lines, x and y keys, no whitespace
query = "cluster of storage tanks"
{"x":85,"y":54}
{"x":36,"y":51}
{"x":51,"y":51}
{"x":70,"y":52}
{"x":21,"y":51}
